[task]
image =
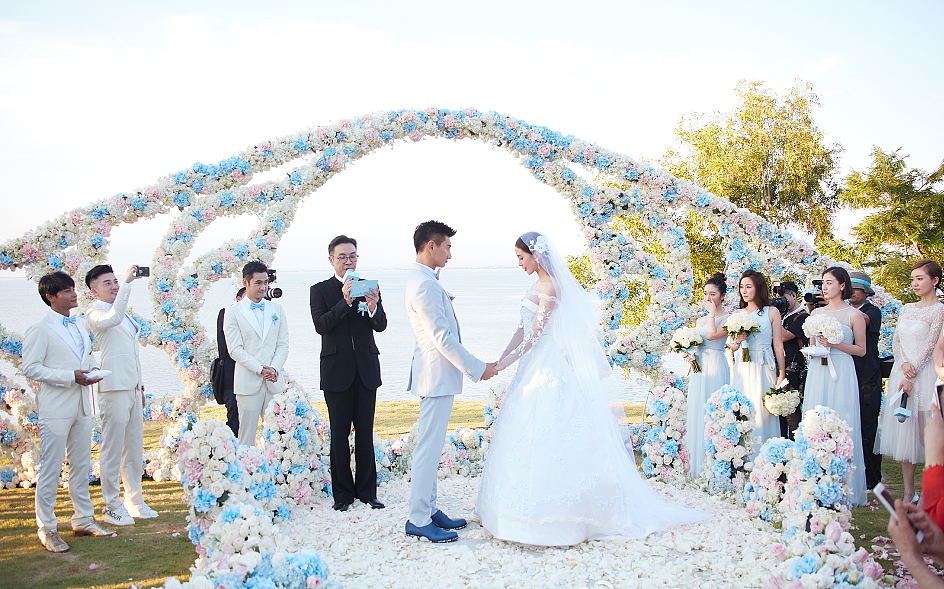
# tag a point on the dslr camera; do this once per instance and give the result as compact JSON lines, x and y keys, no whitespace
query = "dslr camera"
{"x":778,"y":299}
{"x":816,"y":295}
{"x":272,"y":293}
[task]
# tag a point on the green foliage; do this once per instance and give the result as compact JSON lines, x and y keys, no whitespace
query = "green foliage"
{"x":705,"y":245}
{"x":907,"y":222}
{"x":767,"y":156}
{"x":580,"y":268}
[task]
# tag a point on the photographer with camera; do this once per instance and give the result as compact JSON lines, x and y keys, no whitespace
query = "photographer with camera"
{"x":794,"y":315}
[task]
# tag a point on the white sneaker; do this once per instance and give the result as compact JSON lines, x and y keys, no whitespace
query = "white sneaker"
{"x":118,"y":517}
{"x":140,"y":511}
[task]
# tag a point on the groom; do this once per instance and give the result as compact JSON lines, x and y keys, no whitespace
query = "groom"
{"x":439,"y":362}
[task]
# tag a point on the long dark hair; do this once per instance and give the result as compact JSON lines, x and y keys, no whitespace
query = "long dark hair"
{"x":718,"y":281}
{"x":760,"y":289}
{"x":840,"y":274}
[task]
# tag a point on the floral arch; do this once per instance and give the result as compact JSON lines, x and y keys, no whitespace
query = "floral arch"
{"x":201,"y":193}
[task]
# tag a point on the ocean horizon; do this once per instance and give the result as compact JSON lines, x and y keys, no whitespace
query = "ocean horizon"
{"x":487,"y":302}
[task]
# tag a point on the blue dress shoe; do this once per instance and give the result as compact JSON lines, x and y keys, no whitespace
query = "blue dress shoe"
{"x":445,"y":522}
{"x":431,"y":532}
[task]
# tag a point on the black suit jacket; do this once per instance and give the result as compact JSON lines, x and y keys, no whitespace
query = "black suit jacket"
{"x":347,"y":338}
{"x":229,"y":365}
{"x":868,"y":367}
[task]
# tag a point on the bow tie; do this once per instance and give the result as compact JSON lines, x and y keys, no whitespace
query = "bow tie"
{"x":254,"y":306}
{"x":68,"y":321}
{"x":437,"y":273}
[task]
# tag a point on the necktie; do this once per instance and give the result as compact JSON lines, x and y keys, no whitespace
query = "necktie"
{"x":66,"y":321}
{"x":254,"y":306}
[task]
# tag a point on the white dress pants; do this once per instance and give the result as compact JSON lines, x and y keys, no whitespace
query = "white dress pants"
{"x":250,"y":408}
{"x":69,"y":437}
{"x":121,"y":453}
{"x":430,"y":436}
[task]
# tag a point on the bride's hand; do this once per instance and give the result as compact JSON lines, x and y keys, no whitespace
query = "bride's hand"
{"x":709,"y":306}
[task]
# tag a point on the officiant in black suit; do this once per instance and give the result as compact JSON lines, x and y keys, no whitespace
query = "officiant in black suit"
{"x":226,"y":396}
{"x":350,"y":373}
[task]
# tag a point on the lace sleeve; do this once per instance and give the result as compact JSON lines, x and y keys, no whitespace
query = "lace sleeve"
{"x":527,"y":337}
{"x":935,"y":318}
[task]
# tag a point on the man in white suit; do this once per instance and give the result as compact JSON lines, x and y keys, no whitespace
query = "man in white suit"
{"x":120,"y":394}
{"x":57,"y":353}
{"x":257,"y":335}
{"x":439,"y":363}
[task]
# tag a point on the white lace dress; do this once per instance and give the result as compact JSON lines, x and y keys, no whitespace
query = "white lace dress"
{"x":915,"y":337}
{"x":841,"y":395}
{"x":557,"y":472}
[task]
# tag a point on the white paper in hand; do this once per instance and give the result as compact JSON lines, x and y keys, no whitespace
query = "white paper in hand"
{"x":97,"y":374}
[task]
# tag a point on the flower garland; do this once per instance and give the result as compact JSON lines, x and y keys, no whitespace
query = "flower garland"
{"x":278,"y":570}
{"x":664,"y":453}
{"x":729,"y":421}
{"x":293,"y":446}
{"x":764,"y":489}
{"x":818,"y":477}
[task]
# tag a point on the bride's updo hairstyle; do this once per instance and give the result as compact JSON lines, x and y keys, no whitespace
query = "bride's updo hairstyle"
{"x":842,"y":277}
{"x":761,"y":294}
{"x":520,"y":244}
{"x":718,"y":281}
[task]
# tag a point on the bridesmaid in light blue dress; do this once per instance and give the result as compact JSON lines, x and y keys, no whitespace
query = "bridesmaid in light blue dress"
{"x":760,"y":374}
{"x":842,"y":393}
{"x":714,"y":370}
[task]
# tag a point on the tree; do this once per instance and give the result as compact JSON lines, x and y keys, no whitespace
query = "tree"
{"x":907,"y":223}
{"x":767,"y":156}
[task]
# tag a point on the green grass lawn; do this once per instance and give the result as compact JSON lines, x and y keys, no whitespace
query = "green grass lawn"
{"x":148,"y":552}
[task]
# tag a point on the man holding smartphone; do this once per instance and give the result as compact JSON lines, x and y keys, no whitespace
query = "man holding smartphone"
{"x":121,"y":394}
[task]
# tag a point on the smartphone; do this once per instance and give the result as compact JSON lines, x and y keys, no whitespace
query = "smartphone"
{"x":143,"y":271}
{"x":886,"y":499}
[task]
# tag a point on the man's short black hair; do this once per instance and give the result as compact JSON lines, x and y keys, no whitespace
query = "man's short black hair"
{"x":254,"y":267}
{"x":52,"y":284}
{"x":338,"y":241}
{"x":95,"y":272}
{"x":241,"y":291}
{"x":790,"y":286}
{"x":434,"y":230}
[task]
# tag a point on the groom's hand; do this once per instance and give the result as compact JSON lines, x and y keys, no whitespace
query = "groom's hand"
{"x":346,"y":291}
{"x":490,"y":370}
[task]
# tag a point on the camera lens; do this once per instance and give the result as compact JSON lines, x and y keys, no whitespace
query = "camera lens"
{"x":273,"y":293}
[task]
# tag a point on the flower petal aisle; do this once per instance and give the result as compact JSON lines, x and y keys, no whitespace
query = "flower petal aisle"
{"x":368,"y":548}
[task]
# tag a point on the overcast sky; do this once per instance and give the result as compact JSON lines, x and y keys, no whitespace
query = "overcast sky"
{"x":101,"y":98}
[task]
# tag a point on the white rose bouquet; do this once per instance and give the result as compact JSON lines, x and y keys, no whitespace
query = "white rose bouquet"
{"x":684,"y":340}
{"x":822,"y":325}
{"x":742,"y":323}
{"x":782,"y":402}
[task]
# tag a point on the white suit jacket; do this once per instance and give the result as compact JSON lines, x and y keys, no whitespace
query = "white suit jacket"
{"x":439,"y":360}
{"x":252,"y":347}
{"x":119,"y":348}
{"x":50,"y":357}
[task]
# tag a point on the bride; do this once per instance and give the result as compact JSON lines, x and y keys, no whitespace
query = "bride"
{"x":558,"y":471}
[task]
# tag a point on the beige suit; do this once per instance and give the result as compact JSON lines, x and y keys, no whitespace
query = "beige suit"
{"x":253,"y":345}
{"x":50,"y":357}
{"x":121,"y":402}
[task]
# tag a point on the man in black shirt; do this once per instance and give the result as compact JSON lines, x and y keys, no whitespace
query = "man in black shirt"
{"x":869,"y":374}
{"x":793,"y":339}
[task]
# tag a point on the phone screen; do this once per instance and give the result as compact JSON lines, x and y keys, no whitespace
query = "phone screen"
{"x":940,"y":391}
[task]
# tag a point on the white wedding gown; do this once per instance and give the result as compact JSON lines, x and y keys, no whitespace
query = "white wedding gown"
{"x":557,"y":471}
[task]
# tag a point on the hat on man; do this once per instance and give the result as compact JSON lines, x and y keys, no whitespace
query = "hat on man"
{"x":861,"y":281}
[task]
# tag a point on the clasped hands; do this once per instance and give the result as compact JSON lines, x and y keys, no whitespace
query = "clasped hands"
{"x":270,"y":374}
{"x":491,"y":369}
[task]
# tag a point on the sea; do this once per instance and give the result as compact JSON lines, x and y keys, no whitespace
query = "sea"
{"x":487,"y":302}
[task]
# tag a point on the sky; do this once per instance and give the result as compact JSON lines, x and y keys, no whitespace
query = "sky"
{"x":99,"y":98}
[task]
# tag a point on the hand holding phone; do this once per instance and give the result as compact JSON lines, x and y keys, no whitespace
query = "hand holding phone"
{"x":886,"y":499}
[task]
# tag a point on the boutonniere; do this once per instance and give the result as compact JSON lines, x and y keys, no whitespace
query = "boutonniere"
{"x":275,"y":318}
